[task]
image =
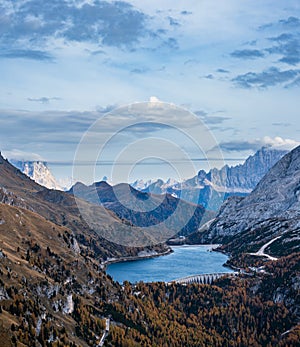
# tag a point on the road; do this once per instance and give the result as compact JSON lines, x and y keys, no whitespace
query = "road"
{"x":106,"y":331}
{"x":261,"y":251}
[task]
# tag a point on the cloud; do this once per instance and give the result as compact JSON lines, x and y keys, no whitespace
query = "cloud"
{"x":186,"y":13}
{"x":140,"y":71}
{"x":27,"y":54}
{"x":254,"y":145}
{"x":281,"y":38}
{"x":171,"y":43}
{"x":45,"y":126}
{"x":209,"y":76}
{"x":288,"y":46}
{"x":201,"y":113}
{"x":247,"y":54}
{"x":103,"y":23}
{"x":289,"y":23}
{"x":191,"y":62}
{"x":154,"y":100}
{"x":97,"y":52}
{"x":111,"y":23}
{"x":114,"y":24}
{"x":222,"y":71}
{"x":209,"y":119}
{"x":43,"y":100}
{"x":106,"y":109}
{"x":215,"y":119}
{"x":173,"y":22}
{"x":17,"y":154}
{"x":268,"y":78}
{"x":64,"y":129}
{"x":295,"y":83}
{"x":281,"y":124}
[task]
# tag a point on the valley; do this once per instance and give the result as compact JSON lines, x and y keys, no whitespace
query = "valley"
{"x":54,"y":290}
{"x":149,"y":173}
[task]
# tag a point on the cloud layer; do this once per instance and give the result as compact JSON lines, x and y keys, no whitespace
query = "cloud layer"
{"x":237,"y":63}
{"x":254,"y":145}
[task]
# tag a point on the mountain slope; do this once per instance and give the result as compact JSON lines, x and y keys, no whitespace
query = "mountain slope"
{"x":144,"y":209}
{"x":63,"y":209}
{"x":54,"y":292}
{"x":47,"y":283}
{"x":271,"y":210}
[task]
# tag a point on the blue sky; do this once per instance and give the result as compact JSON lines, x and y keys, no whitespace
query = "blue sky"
{"x":64,"y":64}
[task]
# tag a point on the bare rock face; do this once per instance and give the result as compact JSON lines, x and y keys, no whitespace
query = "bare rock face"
{"x":245,"y":177}
{"x":210,"y":189}
{"x":39,"y":172}
{"x":272,"y":209}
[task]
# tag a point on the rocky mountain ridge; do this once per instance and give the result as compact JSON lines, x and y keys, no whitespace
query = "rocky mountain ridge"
{"x":58,"y":207}
{"x":144,"y":209}
{"x":272,"y":210}
{"x":211,"y":188}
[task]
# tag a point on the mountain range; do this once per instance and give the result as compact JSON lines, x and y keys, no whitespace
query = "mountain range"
{"x":270,"y":213}
{"x":17,"y":189}
{"x":144,"y":209}
{"x":54,"y":292}
{"x":211,"y":188}
{"x":208,"y":189}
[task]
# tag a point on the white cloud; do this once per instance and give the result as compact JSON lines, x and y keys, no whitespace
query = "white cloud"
{"x":279,"y":142}
{"x":154,"y":99}
{"x":17,"y":154}
{"x":256,"y":144}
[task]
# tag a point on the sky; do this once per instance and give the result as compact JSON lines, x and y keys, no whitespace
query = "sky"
{"x":69,"y":67}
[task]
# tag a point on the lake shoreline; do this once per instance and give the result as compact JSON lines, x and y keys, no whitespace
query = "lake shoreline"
{"x":134,"y":258}
{"x":186,"y":252}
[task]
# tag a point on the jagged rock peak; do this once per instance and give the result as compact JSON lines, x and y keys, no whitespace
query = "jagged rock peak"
{"x":37,"y":171}
{"x":276,"y":197}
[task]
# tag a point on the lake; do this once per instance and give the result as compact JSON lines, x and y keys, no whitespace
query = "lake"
{"x":184,"y":261}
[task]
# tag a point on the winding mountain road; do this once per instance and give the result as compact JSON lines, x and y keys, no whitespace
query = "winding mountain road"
{"x":261,"y":251}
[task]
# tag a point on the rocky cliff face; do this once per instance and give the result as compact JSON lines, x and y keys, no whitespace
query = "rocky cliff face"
{"x":244,"y":177}
{"x":212,"y":188}
{"x":272,"y":209}
{"x":39,"y":172}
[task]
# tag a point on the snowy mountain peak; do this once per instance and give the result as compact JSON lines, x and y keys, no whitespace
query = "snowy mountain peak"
{"x":39,"y":172}
{"x":141,"y":184}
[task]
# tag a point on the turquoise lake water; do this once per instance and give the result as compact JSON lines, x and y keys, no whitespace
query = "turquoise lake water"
{"x":184,"y":261}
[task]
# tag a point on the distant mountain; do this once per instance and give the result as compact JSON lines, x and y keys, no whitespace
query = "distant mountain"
{"x":271,"y":210}
{"x":212,"y":188}
{"x":39,"y":172}
{"x":140,"y":184}
{"x":60,"y":208}
{"x":144,"y":209}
